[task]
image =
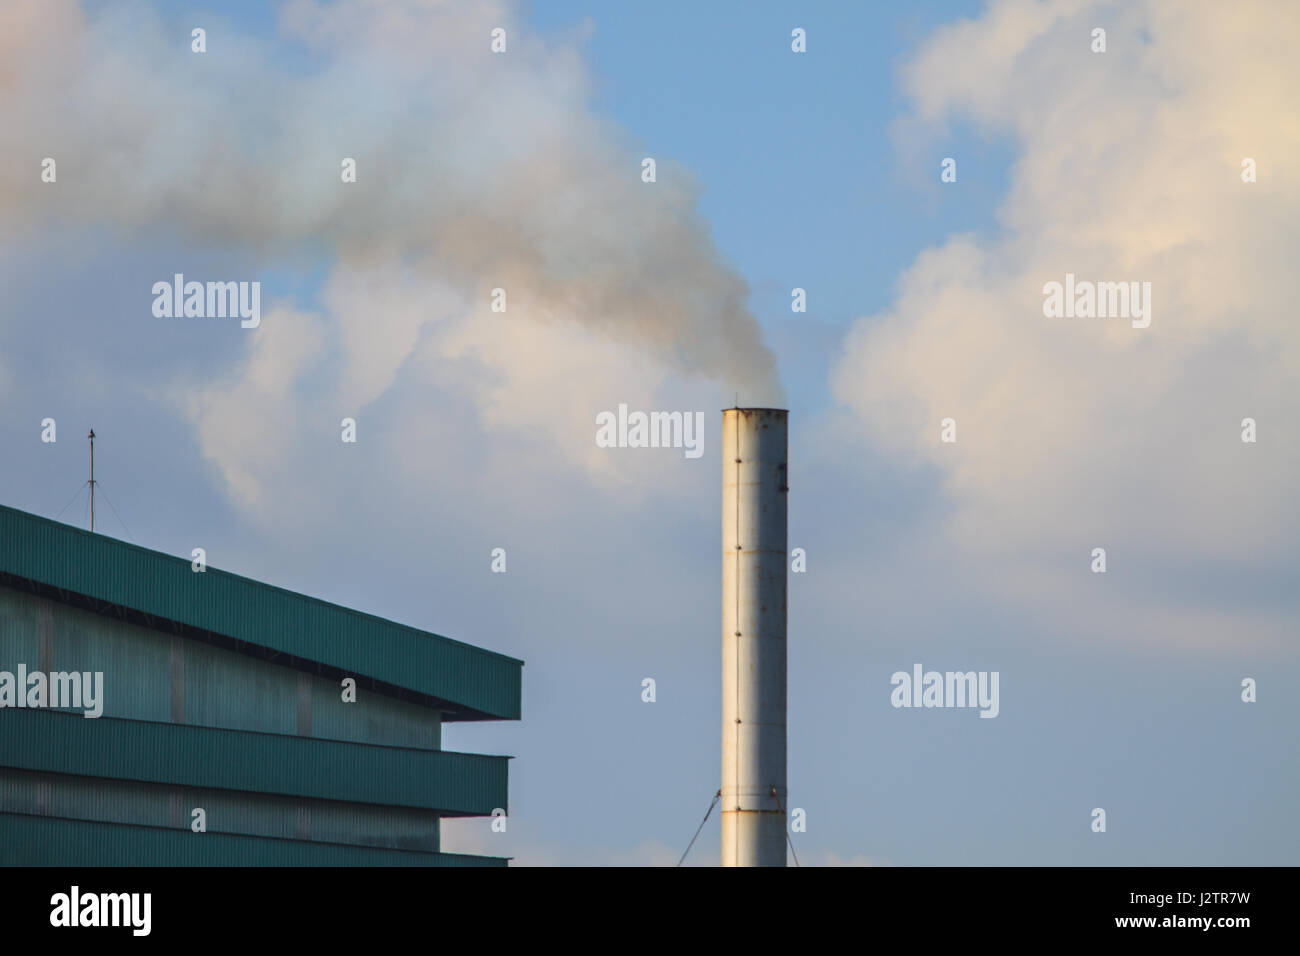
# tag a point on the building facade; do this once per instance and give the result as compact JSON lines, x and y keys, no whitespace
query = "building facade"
{"x":237,"y":723}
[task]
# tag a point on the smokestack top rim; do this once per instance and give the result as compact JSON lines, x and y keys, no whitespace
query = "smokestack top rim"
{"x":747,"y":409}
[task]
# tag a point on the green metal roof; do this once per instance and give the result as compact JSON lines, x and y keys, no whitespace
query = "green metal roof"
{"x":455,"y":784}
{"x":469,"y":682}
{"x":55,"y":841}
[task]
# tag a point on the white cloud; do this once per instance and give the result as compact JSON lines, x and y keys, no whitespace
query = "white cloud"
{"x":249,"y":423}
{"x":1082,"y":433}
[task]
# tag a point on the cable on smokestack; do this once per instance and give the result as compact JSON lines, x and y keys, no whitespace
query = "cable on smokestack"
{"x":716,"y":797}
{"x":786,"y":817}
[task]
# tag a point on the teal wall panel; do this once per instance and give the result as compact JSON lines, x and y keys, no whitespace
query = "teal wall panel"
{"x":371,"y":718}
{"x":136,"y":662}
{"x":220,"y":688}
{"x":187,"y":756}
{"x":224,"y":689}
{"x":250,"y":814}
{"x":475,"y":683}
{"x":19,"y":630}
{"x":50,"y":841}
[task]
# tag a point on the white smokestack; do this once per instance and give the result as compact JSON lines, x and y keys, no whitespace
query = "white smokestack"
{"x":754,"y":493}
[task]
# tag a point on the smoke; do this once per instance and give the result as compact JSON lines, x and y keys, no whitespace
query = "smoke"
{"x":475,"y":170}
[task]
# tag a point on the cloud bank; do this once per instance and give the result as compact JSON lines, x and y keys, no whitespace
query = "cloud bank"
{"x":1087,"y":432}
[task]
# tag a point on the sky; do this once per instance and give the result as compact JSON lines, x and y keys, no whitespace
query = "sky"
{"x":775,"y":170}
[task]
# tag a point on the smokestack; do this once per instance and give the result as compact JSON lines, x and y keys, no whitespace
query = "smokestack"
{"x":754,"y":565}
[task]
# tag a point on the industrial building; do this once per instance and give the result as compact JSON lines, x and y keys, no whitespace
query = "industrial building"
{"x":225,"y":733}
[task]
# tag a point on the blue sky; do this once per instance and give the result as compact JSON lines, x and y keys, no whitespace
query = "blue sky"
{"x":819,"y":171}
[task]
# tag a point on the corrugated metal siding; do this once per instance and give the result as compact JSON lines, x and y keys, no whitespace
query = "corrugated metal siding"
{"x":220,"y":688}
{"x":394,"y":827}
{"x":372,"y":720}
{"x":227,"y":811}
{"x":49,"y":841}
{"x":19,"y":630}
{"x":61,"y":742}
{"x":20,"y":792}
{"x":224,"y":689}
{"x":89,"y":798}
{"x":135,"y":662}
{"x":103,"y":568}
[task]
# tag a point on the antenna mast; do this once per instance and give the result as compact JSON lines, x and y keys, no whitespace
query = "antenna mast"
{"x":91,"y":436}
